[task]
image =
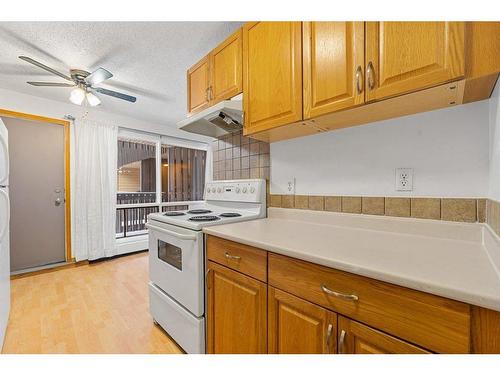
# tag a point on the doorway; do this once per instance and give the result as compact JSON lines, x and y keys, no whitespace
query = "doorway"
{"x":39,"y":184}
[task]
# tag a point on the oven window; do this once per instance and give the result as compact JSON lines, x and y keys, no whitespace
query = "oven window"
{"x":170,"y":254}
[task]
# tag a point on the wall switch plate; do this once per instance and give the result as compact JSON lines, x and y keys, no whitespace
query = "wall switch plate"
{"x":290,"y":186}
{"x":404,"y":179}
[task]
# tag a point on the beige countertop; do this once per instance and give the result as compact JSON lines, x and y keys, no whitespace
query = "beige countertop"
{"x":460,"y":261}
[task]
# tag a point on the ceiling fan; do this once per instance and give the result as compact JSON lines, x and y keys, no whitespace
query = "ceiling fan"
{"x":84,"y":83}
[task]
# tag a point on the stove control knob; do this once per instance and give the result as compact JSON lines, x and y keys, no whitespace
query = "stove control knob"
{"x":219,"y":190}
{"x":213,"y":190}
{"x":237,"y":190}
{"x":252,"y":190}
{"x":244,"y":190}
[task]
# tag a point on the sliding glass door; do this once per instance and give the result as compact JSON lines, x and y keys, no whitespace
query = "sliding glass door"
{"x":155,"y":173}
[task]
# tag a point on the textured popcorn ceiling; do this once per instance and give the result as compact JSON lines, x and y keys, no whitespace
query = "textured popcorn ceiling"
{"x":148,"y":59}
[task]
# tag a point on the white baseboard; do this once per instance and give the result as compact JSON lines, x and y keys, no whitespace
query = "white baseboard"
{"x":131,"y":244}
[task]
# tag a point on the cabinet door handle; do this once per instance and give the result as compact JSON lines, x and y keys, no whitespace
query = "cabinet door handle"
{"x":349,"y":297}
{"x":234,"y":257}
{"x":329,"y":332}
{"x":359,"y":79}
{"x":370,"y":76}
{"x":342,"y":341}
{"x":207,"y":94}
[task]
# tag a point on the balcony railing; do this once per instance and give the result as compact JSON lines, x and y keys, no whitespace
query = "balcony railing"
{"x":131,"y":221}
{"x":135,"y":198}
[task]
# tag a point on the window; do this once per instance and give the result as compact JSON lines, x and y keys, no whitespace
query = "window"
{"x":155,"y":174}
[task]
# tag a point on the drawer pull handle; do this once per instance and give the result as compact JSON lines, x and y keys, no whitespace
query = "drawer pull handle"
{"x":234,"y":257}
{"x":349,"y":297}
{"x":341,"y":342}
{"x":329,"y":332}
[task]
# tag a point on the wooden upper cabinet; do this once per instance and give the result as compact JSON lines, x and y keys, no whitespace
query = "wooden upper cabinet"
{"x":272,"y":74}
{"x":236,"y":312}
{"x":198,"y":86}
{"x":218,"y":76}
{"x":226,"y":68}
{"x":296,"y":326}
{"x":333,"y":63}
{"x":356,"y":338}
{"x":403,"y":57}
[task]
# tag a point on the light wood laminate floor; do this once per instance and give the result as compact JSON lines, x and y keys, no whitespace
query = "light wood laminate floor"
{"x":102,"y":307}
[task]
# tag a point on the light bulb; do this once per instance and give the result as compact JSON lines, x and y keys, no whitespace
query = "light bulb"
{"x":77,"y":96}
{"x":93,"y":100}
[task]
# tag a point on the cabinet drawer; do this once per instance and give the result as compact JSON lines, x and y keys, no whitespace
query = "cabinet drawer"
{"x":436,"y":323}
{"x":239,"y":257}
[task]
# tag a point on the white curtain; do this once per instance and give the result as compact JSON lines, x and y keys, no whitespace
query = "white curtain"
{"x":94,"y":208}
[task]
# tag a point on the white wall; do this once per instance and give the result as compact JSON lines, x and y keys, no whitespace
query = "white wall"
{"x":20,"y":102}
{"x":494,"y":183}
{"x":448,"y":150}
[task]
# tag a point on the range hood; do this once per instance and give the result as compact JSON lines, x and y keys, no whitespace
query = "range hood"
{"x":223,"y":118}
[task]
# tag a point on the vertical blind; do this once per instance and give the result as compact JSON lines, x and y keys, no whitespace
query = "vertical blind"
{"x":186,"y":173}
{"x":132,"y":151}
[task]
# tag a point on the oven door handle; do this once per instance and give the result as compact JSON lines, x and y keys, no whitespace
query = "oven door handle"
{"x":171,"y":233}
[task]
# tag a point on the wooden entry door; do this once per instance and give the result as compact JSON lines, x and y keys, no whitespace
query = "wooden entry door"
{"x":38,"y":231}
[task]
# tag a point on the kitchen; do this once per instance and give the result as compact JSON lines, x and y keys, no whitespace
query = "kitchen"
{"x":316,"y":188}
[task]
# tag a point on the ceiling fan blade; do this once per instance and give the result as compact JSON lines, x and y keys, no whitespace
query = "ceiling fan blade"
{"x":51,"y":84}
{"x":45,"y":67}
{"x":98,"y":76}
{"x":116,"y":94}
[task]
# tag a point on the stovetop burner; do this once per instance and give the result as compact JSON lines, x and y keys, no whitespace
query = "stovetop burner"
{"x":204,"y":218}
{"x":174,"y":213}
{"x":230,"y":214}
{"x":199,"y":211}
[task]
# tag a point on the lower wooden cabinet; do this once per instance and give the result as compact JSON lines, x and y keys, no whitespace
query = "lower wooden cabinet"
{"x":236,"y":312}
{"x":261,"y":302}
{"x":296,"y":326}
{"x":357,"y":338}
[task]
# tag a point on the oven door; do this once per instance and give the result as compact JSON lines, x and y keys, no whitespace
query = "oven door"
{"x":176,"y":264}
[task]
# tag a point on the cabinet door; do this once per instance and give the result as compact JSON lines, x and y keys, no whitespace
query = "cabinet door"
{"x":197,"y":86}
{"x":236,"y":312}
{"x":272,"y":74}
{"x":356,"y":338}
{"x":226,"y":69}
{"x":333,"y":60}
{"x":296,"y":326}
{"x":408,"y":56}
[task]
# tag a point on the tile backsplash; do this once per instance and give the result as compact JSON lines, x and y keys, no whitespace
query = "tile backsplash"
{"x":236,"y":156}
{"x":451,"y":209}
{"x":493,"y":215}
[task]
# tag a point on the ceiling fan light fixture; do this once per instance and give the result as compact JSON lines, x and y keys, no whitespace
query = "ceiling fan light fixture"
{"x":93,"y":100}
{"x":84,"y":81}
{"x":77,"y":96}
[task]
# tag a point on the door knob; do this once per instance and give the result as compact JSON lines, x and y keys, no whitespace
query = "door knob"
{"x":58,"y":201}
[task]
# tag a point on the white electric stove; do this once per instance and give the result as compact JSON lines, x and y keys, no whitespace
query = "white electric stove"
{"x":177,"y":256}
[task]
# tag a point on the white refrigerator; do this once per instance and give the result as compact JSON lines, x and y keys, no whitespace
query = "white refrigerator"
{"x":4,"y":233}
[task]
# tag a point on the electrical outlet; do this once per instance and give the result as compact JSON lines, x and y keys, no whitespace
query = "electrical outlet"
{"x":290,"y":186}
{"x":404,"y":179}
